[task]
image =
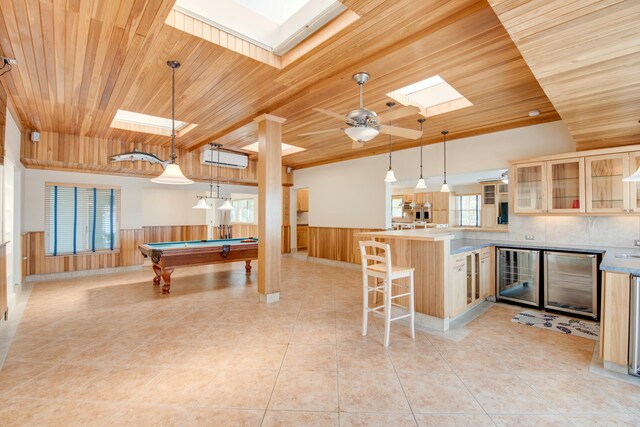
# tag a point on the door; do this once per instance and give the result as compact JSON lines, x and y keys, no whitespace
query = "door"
{"x":566,"y":186}
{"x":634,"y":187}
{"x":606,"y":192}
{"x":570,"y":283}
{"x":485,"y":284}
{"x":457,"y":285}
{"x":530,"y":188}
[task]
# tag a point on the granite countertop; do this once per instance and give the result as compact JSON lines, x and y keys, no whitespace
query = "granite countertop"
{"x":609,"y":260}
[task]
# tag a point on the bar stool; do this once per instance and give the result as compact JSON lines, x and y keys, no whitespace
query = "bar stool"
{"x":381,"y":268}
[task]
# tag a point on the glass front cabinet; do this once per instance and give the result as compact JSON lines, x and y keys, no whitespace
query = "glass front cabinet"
{"x":530,"y":188}
{"x":606,"y":192}
{"x":566,"y":186}
{"x":634,"y":187}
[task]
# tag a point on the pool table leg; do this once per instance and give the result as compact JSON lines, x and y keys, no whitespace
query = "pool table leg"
{"x":247,"y":266}
{"x":166,"y":277}
{"x":158,"y":271}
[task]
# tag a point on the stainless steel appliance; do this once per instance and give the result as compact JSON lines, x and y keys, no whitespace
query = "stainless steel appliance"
{"x":571,"y":283}
{"x":519,"y":276}
{"x":418,"y":212}
{"x":634,"y":327}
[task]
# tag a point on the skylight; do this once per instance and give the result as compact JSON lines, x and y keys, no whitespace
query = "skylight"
{"x":138,"y":122}
{"x":432,"y":95}
{"x":286,"y":148}
{"x":276,"y":26}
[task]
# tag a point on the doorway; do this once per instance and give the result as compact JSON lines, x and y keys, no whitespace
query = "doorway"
{"x":302,"y":220}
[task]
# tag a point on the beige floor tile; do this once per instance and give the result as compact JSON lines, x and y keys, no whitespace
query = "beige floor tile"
{"x":453,"y":420}
{"x":15,"y":373}
{"x":348,"y":419}
{"x":604,"y":419}
{"x":174,"y":386}
{"x":438,"y":393}
{"x":238,"y":389}
{"x":257,"y":356}
{"x":505,"y":394}
{"x":151,"y":416}
{"x":305,"y":391}
{"x":418,"y":360}
{"x":314,"y":333}
{"x":21,"y":412}
{"x":224,"y":417}
{"x":60,"y":382}
{"x":531,"y":421}
{"x":365,"y":358}
{"x":371,"y":392}
{"x":116,"y":384}
{"x":295,"y":419}
{"x":308,"y":357}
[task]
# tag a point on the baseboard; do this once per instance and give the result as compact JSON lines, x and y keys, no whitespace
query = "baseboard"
{"x":80,"y":273}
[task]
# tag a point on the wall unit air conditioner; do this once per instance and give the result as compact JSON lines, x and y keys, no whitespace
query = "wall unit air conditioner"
{"x":227,"y":159}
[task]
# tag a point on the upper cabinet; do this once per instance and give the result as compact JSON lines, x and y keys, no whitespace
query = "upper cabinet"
{"x":530,"y":189}
{"x":588,"y":182}
{"x":302,"y":200}
{"x":634,"y":187}
{"x":566,"y":186}
{"x":606,"y":192}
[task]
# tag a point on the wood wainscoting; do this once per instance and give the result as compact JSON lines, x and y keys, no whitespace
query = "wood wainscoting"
{"x":174,"y":233}
{"x":337,"y":244}
{"x":37,"y":263}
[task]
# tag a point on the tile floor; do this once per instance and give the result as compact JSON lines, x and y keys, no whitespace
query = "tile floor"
{"x":111,"y":350}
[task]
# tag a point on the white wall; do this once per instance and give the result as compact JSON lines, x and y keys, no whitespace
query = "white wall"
{"x":142,"y":202}
{"x":352,"y":193}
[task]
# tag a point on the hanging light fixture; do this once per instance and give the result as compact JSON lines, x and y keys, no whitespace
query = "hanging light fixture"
{"x":226,"y":206}
{"x":421,"y":182}
{"x":445,"y":186}
{"x":172,"y":174}
{"x":202,"y":200}
{"x":390,"y":175}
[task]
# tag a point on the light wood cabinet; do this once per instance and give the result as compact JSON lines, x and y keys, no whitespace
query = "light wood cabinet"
{"x":440,"y":207}
{"x":471,"y":280}
{"x":566,"y":186}
{"x":488,"y":194}
{"x":420,"y":198}
{"x":286,"y":217}
{"x":493,"y":194}
{"x":606,"y":192}
{"x":530,"y":187}
{"x":302,"y":236}
{"x":634,"y":187}
{"x":614,"y":339}
{"x":302,"y":200}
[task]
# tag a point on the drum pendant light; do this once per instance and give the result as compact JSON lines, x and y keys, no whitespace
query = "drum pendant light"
{"x":390,"y":175}
{"x":172,"y":174}
{"x":421,"y":182}
{"x":445,"y":186}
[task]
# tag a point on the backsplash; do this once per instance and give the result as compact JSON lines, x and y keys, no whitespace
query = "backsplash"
{"x":616,"y":231}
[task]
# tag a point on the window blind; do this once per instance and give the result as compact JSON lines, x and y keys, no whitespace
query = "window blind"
{"x":81,"y":219}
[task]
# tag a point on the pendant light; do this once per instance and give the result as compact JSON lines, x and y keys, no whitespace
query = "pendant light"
{"x":226,"y":206}
{"x":390,"y":175}
{"x":421,"y":182}
{"x":172,"y":174}
{"x":633,"y":178}
{"x":202,"y":202}
{"x":445,"y":186}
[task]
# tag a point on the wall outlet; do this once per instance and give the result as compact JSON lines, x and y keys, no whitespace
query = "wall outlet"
{"x":636,"y":243}
{"x":529,"y":237}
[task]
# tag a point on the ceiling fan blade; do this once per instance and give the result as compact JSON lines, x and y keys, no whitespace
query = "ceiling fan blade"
{"x":332,"y":114}
{"x":318,"y":132}
{"x":401,"y":132}
{"x":356,"y":144}
{"x":398,"y":113}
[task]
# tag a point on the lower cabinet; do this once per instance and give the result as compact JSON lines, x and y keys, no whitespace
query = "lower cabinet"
{"x":302,"y":236}
{"x":471,"y":279}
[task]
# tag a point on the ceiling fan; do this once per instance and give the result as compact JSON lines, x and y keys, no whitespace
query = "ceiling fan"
{"x":363,"y":124}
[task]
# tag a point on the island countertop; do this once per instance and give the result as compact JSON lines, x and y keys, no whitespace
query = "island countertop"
{"x":427,"y":234}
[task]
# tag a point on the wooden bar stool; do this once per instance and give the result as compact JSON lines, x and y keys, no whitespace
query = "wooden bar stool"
{"x":377,"y":265}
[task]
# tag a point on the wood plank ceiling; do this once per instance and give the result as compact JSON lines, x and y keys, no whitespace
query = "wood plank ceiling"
{"x":82,"y":60}
{"x":586,"y":56}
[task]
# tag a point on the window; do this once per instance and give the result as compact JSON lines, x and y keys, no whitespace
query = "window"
{"x":80,"y":219}
{"x":243,"y":211}
{"x":396,"y":207}
{"x":468,"y":210}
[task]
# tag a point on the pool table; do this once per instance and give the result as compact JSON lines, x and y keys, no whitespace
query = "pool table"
{"x":167,"y":256}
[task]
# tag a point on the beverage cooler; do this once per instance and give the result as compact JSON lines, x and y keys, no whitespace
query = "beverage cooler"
{"x":552,"y":280}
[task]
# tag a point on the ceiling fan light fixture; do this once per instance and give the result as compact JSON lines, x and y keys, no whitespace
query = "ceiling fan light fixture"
{"x":172,"y":175}
{"x":202,"y":204}
{"x":361,"y":133}
{"x":226,"y":206}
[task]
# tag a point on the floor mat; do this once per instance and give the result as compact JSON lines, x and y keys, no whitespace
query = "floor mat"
{"x":566,"y":325}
